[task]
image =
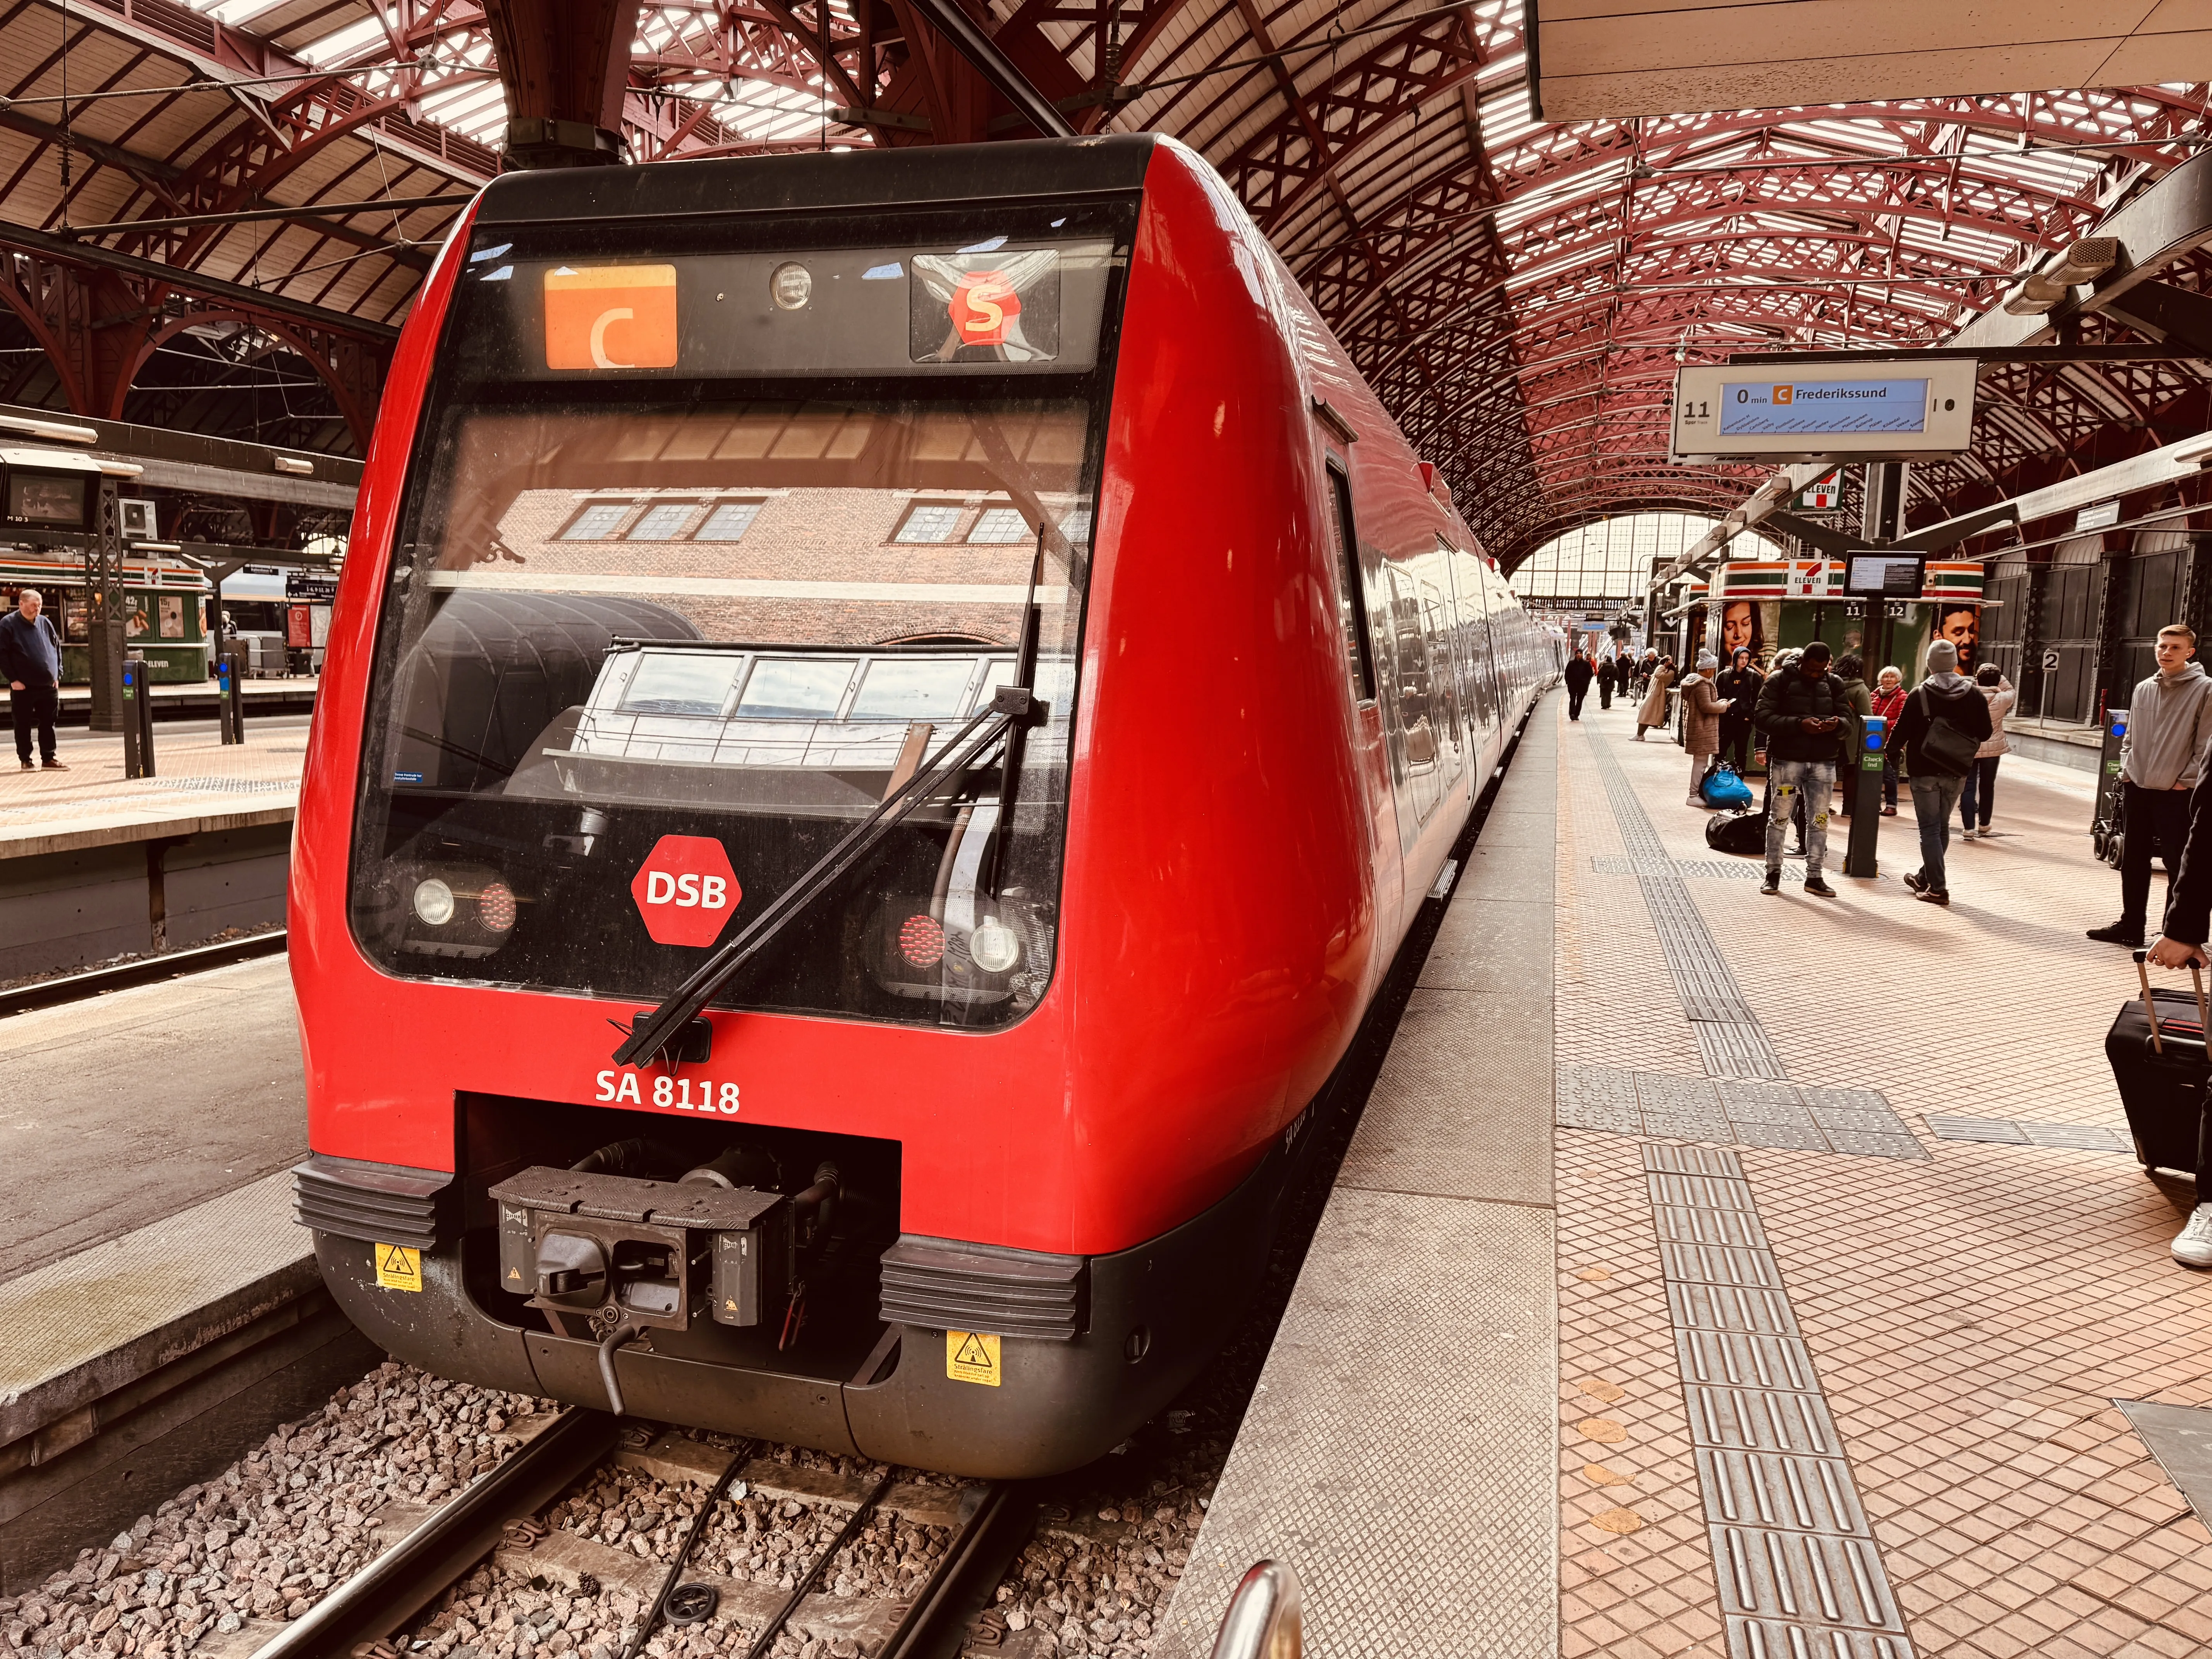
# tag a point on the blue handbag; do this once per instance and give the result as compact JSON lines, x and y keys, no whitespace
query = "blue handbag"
{"x":1721,"y":788}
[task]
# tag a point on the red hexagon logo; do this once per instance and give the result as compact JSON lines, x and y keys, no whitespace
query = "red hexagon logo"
{"x":686,"y":890}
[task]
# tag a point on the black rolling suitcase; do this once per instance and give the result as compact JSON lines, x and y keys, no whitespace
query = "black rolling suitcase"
{"x":2156,"y":1047}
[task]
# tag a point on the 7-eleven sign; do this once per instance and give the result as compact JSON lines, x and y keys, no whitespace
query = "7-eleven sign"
{"x":1823,"y":493}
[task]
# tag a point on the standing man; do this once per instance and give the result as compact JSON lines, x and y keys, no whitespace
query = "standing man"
{"x":1938,"y":771}
{"x":31,"y":657}
{"x":1605,"y":679}
{"x":2169,"y":718}
{"x":1801,"y":710}
{"x":1579,"y":675}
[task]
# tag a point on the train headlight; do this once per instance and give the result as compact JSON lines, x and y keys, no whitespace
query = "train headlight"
{"x":791,"y":286}
{"x":993,"y":946}
{"x":434,"y":901}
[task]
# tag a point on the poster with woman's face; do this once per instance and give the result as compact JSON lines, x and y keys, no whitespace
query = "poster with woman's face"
{"x":1746,"y":625}
{"x":1962,"y":626}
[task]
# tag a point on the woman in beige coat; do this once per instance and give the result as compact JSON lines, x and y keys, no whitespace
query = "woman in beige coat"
{"x":1702,"y":709}
{"x":1654,"y":710}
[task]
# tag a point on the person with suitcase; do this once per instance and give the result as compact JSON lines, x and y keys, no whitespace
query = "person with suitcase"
{"x":2159,"y":1116}
{"x":2169,"y":722}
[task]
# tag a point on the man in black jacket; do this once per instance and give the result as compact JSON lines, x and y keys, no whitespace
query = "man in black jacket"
{"x":1605,"y":679}
{"x":1801,"y":709}
{"x":31,"y":663}
{"x":1578,"y":677}
{"x":1948,"y":698}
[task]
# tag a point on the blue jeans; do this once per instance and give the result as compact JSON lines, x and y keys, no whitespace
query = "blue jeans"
{"x":1815,"y":781}
{"x":1933,"y":798}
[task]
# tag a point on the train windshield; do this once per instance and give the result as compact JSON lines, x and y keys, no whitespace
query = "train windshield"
{"x":703,"y":554}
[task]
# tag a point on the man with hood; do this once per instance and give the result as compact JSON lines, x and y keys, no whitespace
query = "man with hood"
{"x":2169,"y":720}
{"x":1944,"y":713}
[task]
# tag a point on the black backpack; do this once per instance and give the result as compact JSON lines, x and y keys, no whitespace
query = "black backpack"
{"x":1741,"y":833}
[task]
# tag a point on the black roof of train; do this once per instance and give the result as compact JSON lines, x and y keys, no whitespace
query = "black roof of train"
{"x":798,"y":183}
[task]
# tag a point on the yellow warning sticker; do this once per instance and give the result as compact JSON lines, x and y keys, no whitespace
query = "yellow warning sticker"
{"x":971,"y":1356}
{"x":398,"y":1267}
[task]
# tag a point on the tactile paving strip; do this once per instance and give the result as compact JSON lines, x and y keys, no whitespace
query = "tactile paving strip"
{"x":2008,"y":1132}
{"x":1613,"y":864}
{"x":1734,"y":1111}
{"x":1799,"y":1571}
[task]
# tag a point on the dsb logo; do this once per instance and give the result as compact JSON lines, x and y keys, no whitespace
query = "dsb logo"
{"x":686,"y":890}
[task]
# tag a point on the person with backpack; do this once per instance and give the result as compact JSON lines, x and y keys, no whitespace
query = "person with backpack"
{"x":1803,"y":711}
{"x":1945,"y":723}
{"x":1702,"y":709}
{"x":2169,"y":720}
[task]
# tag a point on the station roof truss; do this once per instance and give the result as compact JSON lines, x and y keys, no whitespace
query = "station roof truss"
{"x":1521,"y":291}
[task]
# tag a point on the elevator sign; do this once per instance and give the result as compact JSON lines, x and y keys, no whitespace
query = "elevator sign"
{"x":1896,"y":408}
{"x":686,"y":890}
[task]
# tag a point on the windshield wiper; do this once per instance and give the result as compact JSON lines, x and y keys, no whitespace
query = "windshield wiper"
{"x":1011,"y":709}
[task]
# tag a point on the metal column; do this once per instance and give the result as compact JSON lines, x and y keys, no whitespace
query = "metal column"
{"x":104,"y":610}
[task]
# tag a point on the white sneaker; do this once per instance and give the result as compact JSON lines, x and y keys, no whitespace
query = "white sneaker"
{"x":1695,"y":800}
{"x":2192,"y":1246}
{"x":1965,"y":834}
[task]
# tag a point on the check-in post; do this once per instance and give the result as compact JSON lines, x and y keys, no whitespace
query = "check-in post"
{"x":1865,"y":784}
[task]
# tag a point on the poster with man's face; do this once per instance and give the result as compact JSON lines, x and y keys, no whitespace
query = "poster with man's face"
{"x":1962,"y":626}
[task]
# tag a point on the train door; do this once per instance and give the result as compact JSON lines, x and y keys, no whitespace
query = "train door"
{"x":1347,"y":578}
{"x":1438,"y":629}
{"x":1414,"y":682}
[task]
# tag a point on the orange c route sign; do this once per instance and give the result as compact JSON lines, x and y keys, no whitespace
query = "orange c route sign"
{"x":611,"y":317}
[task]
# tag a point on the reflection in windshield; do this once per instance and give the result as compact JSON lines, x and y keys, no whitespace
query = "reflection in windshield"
{"x":777,"y":655}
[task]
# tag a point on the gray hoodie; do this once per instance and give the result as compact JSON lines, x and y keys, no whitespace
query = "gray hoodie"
{"x":2169,"y":721}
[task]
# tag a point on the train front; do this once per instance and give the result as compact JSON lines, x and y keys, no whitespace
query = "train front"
{"x":712,"y":534}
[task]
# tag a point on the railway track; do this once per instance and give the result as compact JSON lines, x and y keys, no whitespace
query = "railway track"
{"x":515,"y":1520}
{"x":145,"y":970}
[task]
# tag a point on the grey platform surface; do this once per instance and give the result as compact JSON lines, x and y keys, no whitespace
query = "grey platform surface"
{"x":124,"y":1110}
{"x":1400,"y":1451}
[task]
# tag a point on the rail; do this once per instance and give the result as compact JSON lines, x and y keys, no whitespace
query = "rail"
{"x":148,"y":970}
{"x":380,"y":1599}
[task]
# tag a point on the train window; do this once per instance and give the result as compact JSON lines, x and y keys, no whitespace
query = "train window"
{"x":923,"y":691}
{"x":676,"y":684}
{"x":1352,"y":594}
{"x":728,"y":522}
{"x":801,"y":691}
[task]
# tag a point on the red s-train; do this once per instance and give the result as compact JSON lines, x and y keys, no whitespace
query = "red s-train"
{"x":713,"y":506}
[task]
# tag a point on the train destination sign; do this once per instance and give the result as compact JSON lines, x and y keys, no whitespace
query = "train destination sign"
{"x":1895,"y":410}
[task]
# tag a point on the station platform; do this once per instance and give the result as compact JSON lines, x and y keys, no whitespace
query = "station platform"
{"x":159,"y":1309}
{"x":95,"y":865}
{"x":1714,"y":1273}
